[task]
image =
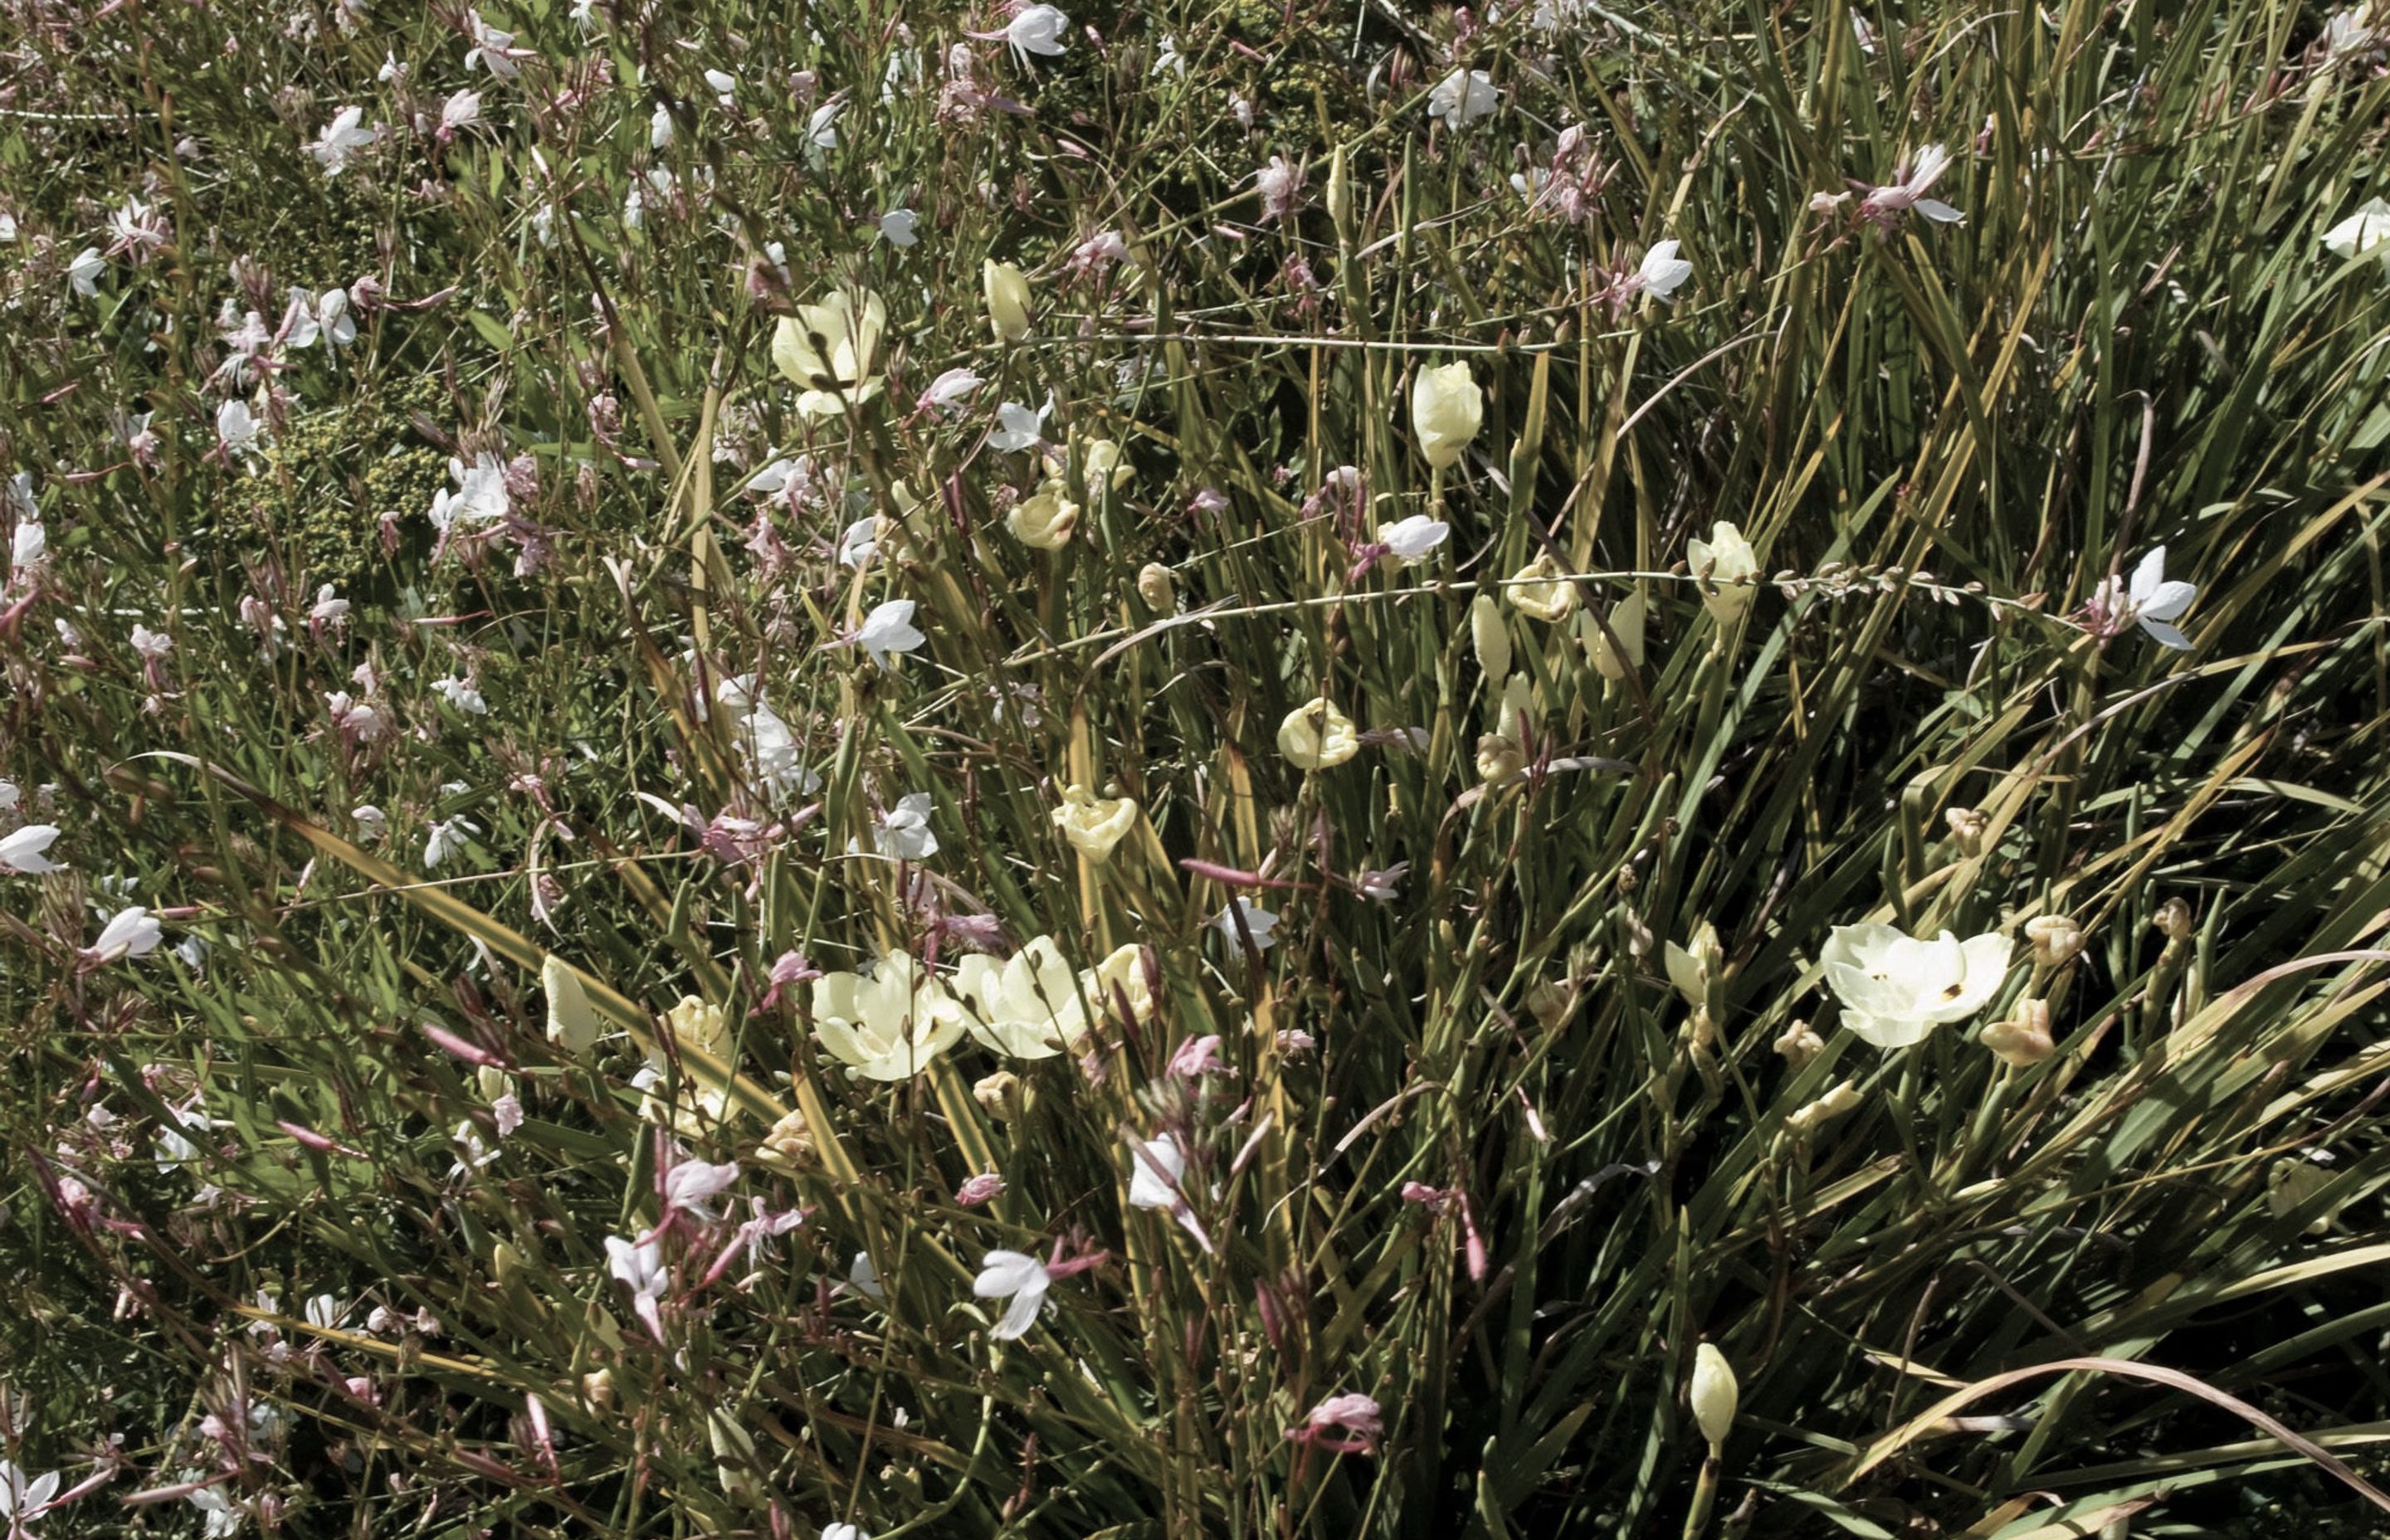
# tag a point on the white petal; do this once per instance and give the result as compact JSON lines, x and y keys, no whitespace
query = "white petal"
{"x":2148,"y":574}
{"x":2166,"y":635}
{"x":1885,"y":1031}
{"x":2170,"y":600}
{"x":1005,"y":1272}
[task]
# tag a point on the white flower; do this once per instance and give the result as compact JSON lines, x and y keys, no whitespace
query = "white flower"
{"x":1895,"y":989}
{"x":1907,"y":190}
{"x":2366,"y":232}
{"x":1017,"y":428}
{"x":889,"y":628}
{"x":688,"y":1186}
{"x":2152,"y":601}
{"x":480,"y":495}
{"x":325,"y":315}
{"x":864,"y":1278}
{"x":372,"y":823}
{"x":492,"y":49}
{"x":21,"y":849}
{"x":1167,"y":57}
{"x":224,"y":1516}
{"x":462,"y":110}
{"x":903,"y":833}
{"x":131,"y":933}
{"x":1713,"y":1393}
{"x":821,"y":129}
{"x":845,"y":1532}
{"x":860,"y":541}
{"x":1258,"y":921}
{"x":1412,"y":538}
{"x":1156,"y":1168}
{"x":725,"y":85}
{"x":1462,"y":97}
{"x":83,"y":273}
{"x":342,"y":138}
{"x":1662,"y":271}
{"x":446,"y":836}
{"x":900,"y":227}
{"x":888,"y":1025}
{"x":237,"y":428}
{"x":22,"y":1501}
{"x":1016,"y":1276}
{"x":949,"y":388}
{"x":461,"y":694}
{"x":659,"y":128}
{"x":329,"y":608}
{"x":641,"y":1269}
{"x":1036,"y":30}
{"x":28,"y":545}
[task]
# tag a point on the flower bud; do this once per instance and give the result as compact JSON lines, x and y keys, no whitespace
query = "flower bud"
{"x":1714,"y":1393}
{"x":1626,"y":624}
{"x":1008,"y":299}
{"x":1799,"y":1045}
{"x":1340,"y":192}
{"x":1316,"y":736}
{"x":2024,"y":1039}
{"x":493,"y":1082}
{"x":1693,"y":968}
{"x":2056,"y":940}
{"x":1447,"y":407}
{"x":572,"y":1024}
{"x":506,"y":1264}
{"x":790,"y":1139}
{"x":998,"y":1095}
{"x":1511,"y":717}
{"x":598,"y":1389}
{"x":1968,"y":827}
{"x":1833,"y":1104}
{"x":2173,"y":920}
{"x":1155,"y":587}
{"x":1499,"y":759}
{"x":1490,"y":637}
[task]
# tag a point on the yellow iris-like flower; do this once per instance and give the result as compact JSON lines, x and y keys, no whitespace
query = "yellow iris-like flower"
{"x":1094,"y":825}
{"x":1316,"y":736}
{"x":828,"y":347}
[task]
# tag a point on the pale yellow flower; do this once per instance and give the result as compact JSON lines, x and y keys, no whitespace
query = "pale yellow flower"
{"x":1122,"y":973}
{"x":1043,"y":522}
{"x":888,"y":1026}
{"x":1714,"y":1394}
{"x":1626,"y":624}
{"x":1008,"y":299}
{"x":1030,"y":1006}
{"x":572,"y":1024}
{"x":695,"y":1024}
{"x":1316,"y":736}
{"x":1447,"y":407}
{"x":1103,"y":465}
{"x":1724,"y":566}
{"x":827,"y":348}
{"x":1540,"y":592}
{"x":1094,"y":825}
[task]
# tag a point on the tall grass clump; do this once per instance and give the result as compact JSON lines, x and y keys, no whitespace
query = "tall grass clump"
{"x":1243,"y":771}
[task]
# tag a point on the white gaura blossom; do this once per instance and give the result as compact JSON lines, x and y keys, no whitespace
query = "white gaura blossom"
{"x":1662,"y":271}
{"x":900,"y":227}
{"x":1896,"y":988}
{"x":1410,"y":539}
{"x":1462,"y":97}
{"x":1016,"y":1276}
{"x":889,"y":629}
{"x":2364,"y":233}
{"x":1156,"y":1169}
{"x":1032,"y":1006}
{"x":1259,"y":923}
{"x":21,"y":850}
{"x":1017,"y":428}
{"x":23,"y":1500}
{"x":342,"y":138}
{"x":827,"y":348}
{"x":725,"y":86}
{"x":903,"y":832}
{"x":888,"y":1025}
{"x":640,"y":1267}
{"x":659,"y":128}
{"x":492,"y":49}
{"x":237,"y":428}
{"x":324,"y":315}
{"x":82,"y":274}
{"x":479,"y":497}
{"x":461,"y":694}
{"x":1907,"y":190}
{"x":129,"y":933}
{"x":1036,"y":29}
{"x":445,"y":837}
{"x":2146,"y":599}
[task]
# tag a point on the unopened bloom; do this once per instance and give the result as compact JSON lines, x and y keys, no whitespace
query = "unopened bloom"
{"x":1095,"y":826}
{"x":1462,"y":97}
{"x":129,"y":933}
{"x":1022,"y":1279}
{"x":1155,"y":587}
{"x":827,"y":348}
{"x":572,"y":1024}
{"x":2023,"y":1038}
{"x":1006,"y":288}
{"x":1447,"y":407}
{"x":1316,"y":736}
{"x":1815,"y":1115}
{"x":1895,"y":989}
{"x":887,"y":1025}
{"x":2364,"y":233}
{"x":21,"y":849}
{"x":1724,"y":566}
{"x":1489,"y":638}
{"x":1714,"y":1393}
{"x":1614,"y":658}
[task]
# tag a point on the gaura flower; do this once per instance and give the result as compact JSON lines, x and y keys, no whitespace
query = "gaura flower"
{"x":1036,"y":29}
{"x":1662,"y":271}
{"x":1156,"y":1168}
{"x":1447,"y":407}
{"x":1094,"y":825}
{"x":1911,"y":177}
{"x":903,"y":833}
{"x":1724,"y":566}
{"x":1895,"y":989}
{"x":21,"y":849}
{"x":129,"y":933}
{"x":1316,"y":736}
{"x":1016,"y":1276}
{"x":1043,"y":522}
{"x":889,"y":629}
{"x":1462,"y":97}
{"x":1005,"y":286}
{"x":1258,"y":923}
{"x":827,"y":348}
{"x":1030,"y":1007}
{"x":1625,"y":622}
{"x":2364,"y":233}
{"x":1540,"y":590}
{"x":2148,"y":601}
{"x":890,"y":1024}
{"x":1410,"y":539}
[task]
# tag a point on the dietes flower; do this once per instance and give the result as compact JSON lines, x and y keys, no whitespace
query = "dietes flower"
{"x":1724,"y":566}
{"x":2364,"y":233}
{"x":888,"y":1025}
{"x":1095,"y":826}
{"x":827,"y":348}
{"x":1895,"y":989}
{"x":1316,"y":736}
{"x":1044,"y":522}
{"x":1032,"y":1006}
